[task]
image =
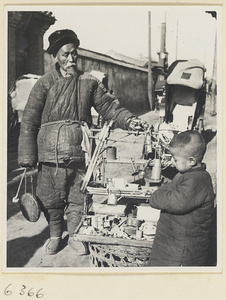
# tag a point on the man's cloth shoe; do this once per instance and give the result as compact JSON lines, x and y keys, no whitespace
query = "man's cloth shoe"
{"x":79,"y":248}
{"x":51,"y":246}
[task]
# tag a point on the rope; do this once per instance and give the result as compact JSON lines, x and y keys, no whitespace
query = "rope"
{"x":56,"y":150}
{"x":66,"y":122}
{"x":61,"y":123}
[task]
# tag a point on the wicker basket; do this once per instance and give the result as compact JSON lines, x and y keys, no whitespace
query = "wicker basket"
{"x":117,"y":252}
{"x":105,"y":255}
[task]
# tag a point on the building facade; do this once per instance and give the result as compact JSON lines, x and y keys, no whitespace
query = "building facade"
{"x":25,"y":42}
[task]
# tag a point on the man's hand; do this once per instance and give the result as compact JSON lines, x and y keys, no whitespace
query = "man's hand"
{"x":27,"y":166}
{"x":136,"y":124}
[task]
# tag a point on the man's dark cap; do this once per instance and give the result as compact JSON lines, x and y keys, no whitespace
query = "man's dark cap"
{"x":60,"y":38}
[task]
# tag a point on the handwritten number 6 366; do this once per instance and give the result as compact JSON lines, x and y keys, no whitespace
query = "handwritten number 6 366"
{"x":23,"y":291}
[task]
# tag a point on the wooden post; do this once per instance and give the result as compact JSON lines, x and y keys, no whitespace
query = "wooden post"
{"x":213,"y":87}
{"x":177,"y":41}
{"x":162,"y":55}
{"x":150,"y":76}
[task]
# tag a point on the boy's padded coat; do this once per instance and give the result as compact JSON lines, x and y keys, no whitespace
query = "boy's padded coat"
{"x":183,"y":229}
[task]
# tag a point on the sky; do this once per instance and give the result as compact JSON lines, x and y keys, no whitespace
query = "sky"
{"x":190,"y":32}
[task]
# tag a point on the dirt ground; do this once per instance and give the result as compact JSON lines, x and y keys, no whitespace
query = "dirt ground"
{"x":24,"y":240}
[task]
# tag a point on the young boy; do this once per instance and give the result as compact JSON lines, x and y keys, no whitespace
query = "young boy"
{"x":187,"y":206}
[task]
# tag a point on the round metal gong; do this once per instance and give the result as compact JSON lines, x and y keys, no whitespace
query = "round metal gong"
{"x":30,"y":207}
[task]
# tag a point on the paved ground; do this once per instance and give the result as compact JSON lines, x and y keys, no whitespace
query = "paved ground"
{"x":25,"y":239}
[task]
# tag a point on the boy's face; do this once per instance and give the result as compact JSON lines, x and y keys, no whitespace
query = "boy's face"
{"x":181,"y":161}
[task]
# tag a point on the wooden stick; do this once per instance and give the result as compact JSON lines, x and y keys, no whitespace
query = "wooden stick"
{"x":17,"y":178}
{"x":113,"y":241}
{"x":103,"y":135}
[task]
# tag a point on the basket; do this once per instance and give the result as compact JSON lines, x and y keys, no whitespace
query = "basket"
{"x":116,"y":252}
{"x":106,"y":255}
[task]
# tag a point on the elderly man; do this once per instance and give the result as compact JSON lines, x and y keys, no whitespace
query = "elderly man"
{"x":58,"y":107}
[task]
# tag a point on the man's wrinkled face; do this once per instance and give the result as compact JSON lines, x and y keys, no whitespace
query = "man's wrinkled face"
{"x":67,"y":58}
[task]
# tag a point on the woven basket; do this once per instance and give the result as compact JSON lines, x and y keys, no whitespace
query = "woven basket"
{"x":108,"y":255}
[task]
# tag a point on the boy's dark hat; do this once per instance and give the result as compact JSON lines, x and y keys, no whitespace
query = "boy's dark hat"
{"x":60,"y":38}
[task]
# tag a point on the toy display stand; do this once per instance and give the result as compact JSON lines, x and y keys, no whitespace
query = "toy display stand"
{"x":119,"y":225}
{"x":118,"y":250}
